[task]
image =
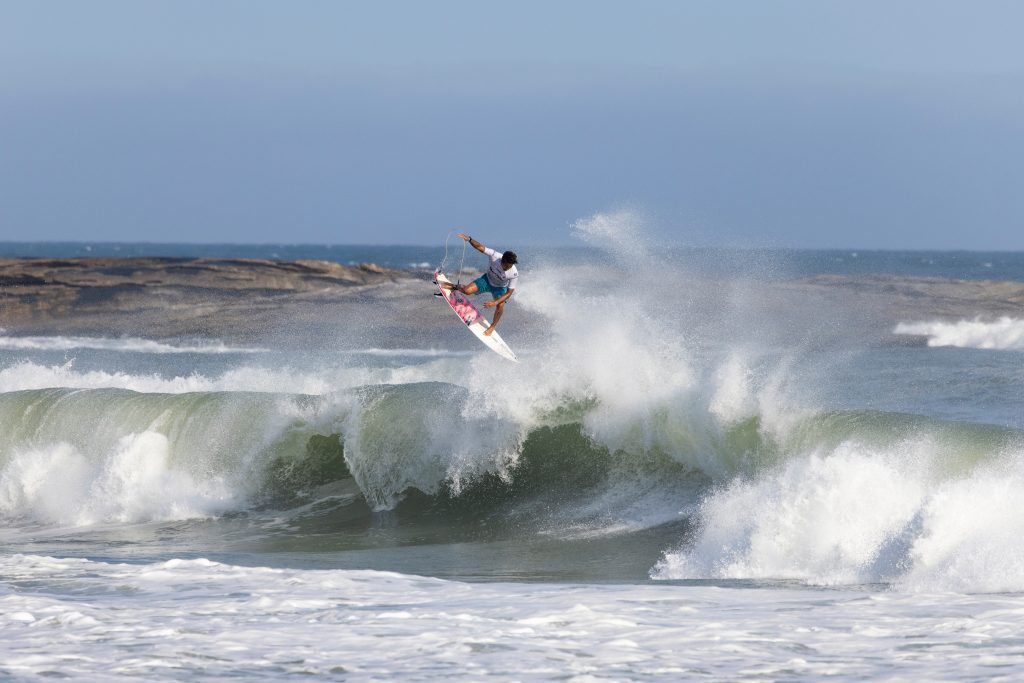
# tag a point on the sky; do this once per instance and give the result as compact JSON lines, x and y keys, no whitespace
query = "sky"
{"x":815,"y":124}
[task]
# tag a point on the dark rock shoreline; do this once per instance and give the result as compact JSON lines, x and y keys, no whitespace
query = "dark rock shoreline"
{"x":174,"y":297}
{"x":933,"y":297}
{"x":321,"y":303}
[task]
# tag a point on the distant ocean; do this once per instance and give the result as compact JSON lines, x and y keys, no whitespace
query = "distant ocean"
{"x":676,"y":483}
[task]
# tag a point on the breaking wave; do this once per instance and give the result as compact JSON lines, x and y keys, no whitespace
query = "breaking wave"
{"x":858,"y":514}
{"x":630,"y":414}
{"x":129,"y":345}
{"x":1005,"y":334}
{"x":838,"y":497}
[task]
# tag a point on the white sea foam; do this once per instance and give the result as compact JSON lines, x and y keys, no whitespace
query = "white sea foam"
{"x":1003,"y":334}
{"x":859,"y":515}
{"x":77,"y":458}
{"x":126,"y":345}
{"x":25,"y":375}
{"x":647,"y":384}
{"x":203,"y":620}
{"x":409,"y":353}
{"x":134,"y":482}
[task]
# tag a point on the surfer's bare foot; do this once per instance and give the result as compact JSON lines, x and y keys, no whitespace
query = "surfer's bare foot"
{"x":487,"y":332}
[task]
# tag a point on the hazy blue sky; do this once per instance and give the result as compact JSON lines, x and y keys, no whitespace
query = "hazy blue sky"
{"x":816,"y":124}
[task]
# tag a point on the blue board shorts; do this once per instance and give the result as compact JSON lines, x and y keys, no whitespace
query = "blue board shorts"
{"x":483,"y":286}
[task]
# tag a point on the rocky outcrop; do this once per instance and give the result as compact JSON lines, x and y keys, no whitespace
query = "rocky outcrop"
{"x":170,"y":296}
{"x":323,"y":304}
{"x":898,"y":296}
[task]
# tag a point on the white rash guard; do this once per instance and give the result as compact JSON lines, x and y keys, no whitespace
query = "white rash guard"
{"x":496,"y":275}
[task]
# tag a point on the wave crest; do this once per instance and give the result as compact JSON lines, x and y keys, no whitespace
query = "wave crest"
{"x":863,"y":515}
{"x":1005,"y":334}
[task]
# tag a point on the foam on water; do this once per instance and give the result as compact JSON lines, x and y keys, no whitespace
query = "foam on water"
{"x":202,"y":620}
{"x":134,"y":482}
{"x":27,"y":375}
{"x":76,"y":458}
{"x":859,"y":515}
{"x":127,"y":345}
{"x":1006,"y":333}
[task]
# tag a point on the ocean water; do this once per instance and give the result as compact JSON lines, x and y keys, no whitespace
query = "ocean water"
{"x":677,"y":482}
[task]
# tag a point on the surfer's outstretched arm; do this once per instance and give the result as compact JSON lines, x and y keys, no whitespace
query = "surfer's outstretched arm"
{"x":499,"y":308}
{"x":473,"y":243}
{"x":500,"y":300}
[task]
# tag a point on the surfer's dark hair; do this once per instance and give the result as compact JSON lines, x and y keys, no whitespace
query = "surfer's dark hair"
{"x":509,"y":257}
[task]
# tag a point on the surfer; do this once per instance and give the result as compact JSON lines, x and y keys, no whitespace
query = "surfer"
{"x":500,"y":280}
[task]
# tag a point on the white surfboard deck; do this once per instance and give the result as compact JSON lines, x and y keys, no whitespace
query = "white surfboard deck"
{"x":473,"y":318}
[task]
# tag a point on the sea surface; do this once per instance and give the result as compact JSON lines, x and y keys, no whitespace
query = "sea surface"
{"x":675,"y":483}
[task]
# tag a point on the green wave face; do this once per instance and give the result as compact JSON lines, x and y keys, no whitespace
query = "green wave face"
{"x":87,"y":456}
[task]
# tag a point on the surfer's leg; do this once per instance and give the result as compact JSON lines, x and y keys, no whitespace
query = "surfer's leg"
{"x":471,"y":288}
{"x":479,"y":285}
{"x":497,"y":316}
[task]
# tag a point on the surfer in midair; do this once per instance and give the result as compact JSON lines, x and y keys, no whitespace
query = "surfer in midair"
{"x":500,"y":279}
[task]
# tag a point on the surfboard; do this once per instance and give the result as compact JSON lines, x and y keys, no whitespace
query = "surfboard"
{"x":472,"y":318}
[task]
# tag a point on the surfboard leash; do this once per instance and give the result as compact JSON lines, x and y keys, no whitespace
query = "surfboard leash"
{"x":444,"y":261}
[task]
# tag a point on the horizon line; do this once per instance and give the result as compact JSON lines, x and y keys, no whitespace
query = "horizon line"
{"x":322,"y":245}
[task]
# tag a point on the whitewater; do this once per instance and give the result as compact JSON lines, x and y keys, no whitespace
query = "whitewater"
{"x":685,"y":477}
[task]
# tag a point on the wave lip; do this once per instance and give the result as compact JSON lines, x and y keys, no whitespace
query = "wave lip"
{"x":1004,"y":334}
{"x":82,"y":457}
{"x":128,"y":344}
